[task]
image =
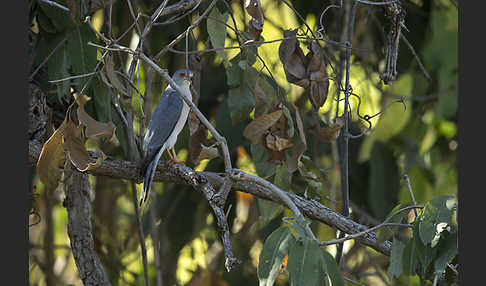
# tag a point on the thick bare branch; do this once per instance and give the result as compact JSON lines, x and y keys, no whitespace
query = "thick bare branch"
{"x":310,"y":208}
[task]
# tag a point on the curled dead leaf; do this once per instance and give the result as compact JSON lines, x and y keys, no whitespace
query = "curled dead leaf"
{"x":51,"y":159}
{"x":256,"y":128}
{"x":277,"y":143}
{"x":253,"y":8}
{"x":94,"y":128}
{"x":109,"y":70}
{"x":208,"y":152}
{"x":293,"y":59}
{"x":75,"y":149}
{"x":331,"y":132}
{"x":317,"y":73}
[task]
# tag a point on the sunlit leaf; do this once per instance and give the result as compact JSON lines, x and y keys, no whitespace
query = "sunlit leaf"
{"x":52,"y":159}
{"x":217,"y":30}
{"x":93,"y":128}
{"x":438,"y":210}
{"x":275,"y":248}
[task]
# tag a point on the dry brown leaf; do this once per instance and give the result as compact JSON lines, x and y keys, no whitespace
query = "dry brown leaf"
{"x":51,"y":159}
{"x":317,"y":74}
{"x":75,"y":149}
{"x":74,"y":145}
{"x":293,"y":59}
{"x":193,"y":122}
{"x":93,"y":128}
{"x":255,"y":129}
{"x":207,"y":152}
{"x":277,"y":143}
{"x":331,"y":132}
{"x":109,"y":69}
{"x":253,"y":8}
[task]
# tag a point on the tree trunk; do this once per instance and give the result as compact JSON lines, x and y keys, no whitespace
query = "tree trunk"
{"x":79,"y":230}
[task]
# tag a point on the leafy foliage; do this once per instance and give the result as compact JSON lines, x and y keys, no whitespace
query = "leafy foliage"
{"x":280,"y":106}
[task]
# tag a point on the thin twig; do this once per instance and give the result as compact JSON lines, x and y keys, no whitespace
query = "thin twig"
{"x":74,"y":77}
{"x":176,"y":40}
{"x":422,"y":68}
{"x":383,"y":224}
{"x":55,"y":4}
{"x":407,"y":181}
{"x":31,"y":77}
{"x":140,"y":233}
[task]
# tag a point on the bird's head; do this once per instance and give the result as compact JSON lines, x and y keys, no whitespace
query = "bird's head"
{"x":183,"y":77}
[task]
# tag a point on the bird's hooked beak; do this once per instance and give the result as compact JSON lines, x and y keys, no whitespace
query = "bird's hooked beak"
{"x":189,"y":76}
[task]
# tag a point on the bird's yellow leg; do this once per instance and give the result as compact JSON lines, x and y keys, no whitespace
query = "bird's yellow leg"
{"x":170,"y":154}
{"x":175,"y":156}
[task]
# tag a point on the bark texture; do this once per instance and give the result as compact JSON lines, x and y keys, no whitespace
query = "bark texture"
{"x":78,"y":206}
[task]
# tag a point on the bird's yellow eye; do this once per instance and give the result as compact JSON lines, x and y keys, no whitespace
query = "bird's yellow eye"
{"x":182,"y":74}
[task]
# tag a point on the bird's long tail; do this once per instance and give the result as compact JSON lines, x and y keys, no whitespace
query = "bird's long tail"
{"x":147,"y":171}
{"x":148,"y":175}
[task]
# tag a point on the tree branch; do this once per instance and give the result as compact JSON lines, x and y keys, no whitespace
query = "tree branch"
{"x":184,"y":175}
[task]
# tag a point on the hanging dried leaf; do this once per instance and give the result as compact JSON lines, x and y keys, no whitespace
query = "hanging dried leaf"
{"x":109,"y":70}
{"x":331,"y":132}
{"x":256,"y":128}
{"x":277,"y":143}
{"x":208,"y":152}
{"x":317,"y":73}
{"x":253,"y":8}
{"x":51,"y":159}
{"x":75,"y":149}
{"x":94,"y":128}
{"x":293,"y":59}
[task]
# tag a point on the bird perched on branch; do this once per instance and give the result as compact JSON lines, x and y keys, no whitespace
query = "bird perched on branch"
{"x":168,"y":119}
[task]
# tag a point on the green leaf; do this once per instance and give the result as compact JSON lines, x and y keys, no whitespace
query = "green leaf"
{"x":217,"y":30}
{"x":58,"y":65}
{"x":438,"y":210}
{"x":313,"y":177}
{"x":384,"y":183}
{"x":410,"y":258}
{"x":275,"y":247}
{"x":283,"y":177}
{"x":259,"y":157}
{"x":305,"y":263}
{"x":242,"y":85}
{"x":386,"y":233}
{"x":447,"y":250}
{"x":102,"y":100}
{"x":424,"y":252}
{"x":396,"y":259}
{"x":81,"y":55}
{"x":59,"y":18}
{"x":332,"y":269}
{"x":268,"y":210}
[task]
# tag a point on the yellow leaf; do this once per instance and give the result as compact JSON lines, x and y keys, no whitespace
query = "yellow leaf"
{"x":75,"y":149}
{"x":259,"y":125}
{"x":93,"y":128}
{"x":51,"y":159}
